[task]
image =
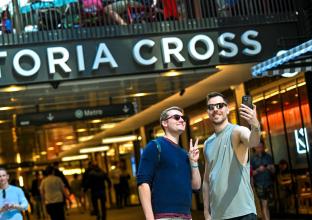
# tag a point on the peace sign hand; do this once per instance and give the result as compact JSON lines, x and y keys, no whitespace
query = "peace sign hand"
{"x":194,"y":151}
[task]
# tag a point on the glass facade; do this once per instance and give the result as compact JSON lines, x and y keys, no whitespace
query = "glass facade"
{"x":286,"y":129}
{"x":284,"y":113}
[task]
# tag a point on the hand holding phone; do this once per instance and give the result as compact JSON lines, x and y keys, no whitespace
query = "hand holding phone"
{"x":247,"y":100}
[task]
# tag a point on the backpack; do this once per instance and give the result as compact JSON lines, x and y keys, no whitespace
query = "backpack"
{"x":158,"y":148}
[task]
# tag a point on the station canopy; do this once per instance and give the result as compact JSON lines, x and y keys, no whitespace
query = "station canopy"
{"x":297,"y":59}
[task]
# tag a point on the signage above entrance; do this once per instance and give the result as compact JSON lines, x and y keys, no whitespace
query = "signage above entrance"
{"x":41,"y":118}
{"x":112,"y":57}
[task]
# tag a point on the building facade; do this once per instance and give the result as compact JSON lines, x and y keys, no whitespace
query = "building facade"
{"x":88,"y":71}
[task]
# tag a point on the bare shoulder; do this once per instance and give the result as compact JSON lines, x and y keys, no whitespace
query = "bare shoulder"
{"x":239,"y":134}
{"x":238,"y":130}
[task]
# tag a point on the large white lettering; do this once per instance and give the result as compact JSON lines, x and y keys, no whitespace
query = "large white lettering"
{"x":30,"y":53}
{"x":52,"y":61}
{"x":249,"y":42}
{"x":107,"y":58}
{"x":3,"y":54}
{"x":209,"y":47}
{"x":80,"y":58}
{"x":231,"y":47}
{"x":145,"y":52}
{"x":167,"y":52}
{"x":136,"y":52}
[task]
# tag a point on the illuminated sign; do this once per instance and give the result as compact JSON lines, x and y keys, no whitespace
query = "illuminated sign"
{"x":301,"y":138}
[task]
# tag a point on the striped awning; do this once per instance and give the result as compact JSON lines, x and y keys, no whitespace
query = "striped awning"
{"x":297,"y":59}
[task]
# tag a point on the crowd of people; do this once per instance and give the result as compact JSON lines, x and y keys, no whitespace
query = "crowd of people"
{"x":51,"y":195}
{"x":55,"y":14}
{"x":49,"y":15}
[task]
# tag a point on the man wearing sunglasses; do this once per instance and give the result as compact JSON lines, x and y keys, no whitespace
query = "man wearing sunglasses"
{"x":12,"y":199}
{"x":227,"y":192}
{"x":167,"y":173}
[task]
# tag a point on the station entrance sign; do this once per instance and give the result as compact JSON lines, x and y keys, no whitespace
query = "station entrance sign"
{"x":76,"y":114}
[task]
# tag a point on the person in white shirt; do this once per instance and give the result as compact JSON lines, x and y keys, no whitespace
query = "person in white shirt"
{"x":53,"y":194}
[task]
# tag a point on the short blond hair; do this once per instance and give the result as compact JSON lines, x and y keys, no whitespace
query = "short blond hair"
{"x":164,"y":114}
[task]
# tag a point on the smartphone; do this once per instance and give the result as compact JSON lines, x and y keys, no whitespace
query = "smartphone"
{"x":247,"y":100}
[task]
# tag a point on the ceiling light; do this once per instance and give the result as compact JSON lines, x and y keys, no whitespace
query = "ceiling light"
{"x":171,"y":73}
{"x":21,"y":181}
{"x":76,"y":157}
{"x":13,"y":89}
{"x":291,"y":87}
{"x":43,"y":153}
{"x":50,"y":148}
{"x":67,"y":147}
{"x":119,"y":139}
{"x":85,"y":138}
{"x":260,"y":98}
{"x":111,"y":152}
{"x":96,"y":121}
{"x":6,"y":108}
{"x":301,"y":84}
{"x":18,"y":158}
{"x":94,"y":149}
{"x":81,"y":130}
{"x":59,"y":143}
{"x":140,"y":94}
{"x":69,"y":172}
{"x":127,"y":145}
{"x":108,"y":125}
{"x":70,"y":137}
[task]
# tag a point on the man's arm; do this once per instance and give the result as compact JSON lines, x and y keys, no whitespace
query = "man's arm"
{"x":193,"y":156}
{"x":146,"y":201}
{"x":206,"y":190}
{"x":250,"y":137}
{"x":146,"y":171}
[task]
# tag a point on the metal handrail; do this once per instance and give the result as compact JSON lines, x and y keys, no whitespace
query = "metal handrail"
{"x":75,"y":19}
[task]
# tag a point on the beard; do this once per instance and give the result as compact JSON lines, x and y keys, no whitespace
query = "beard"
{"x":219,"y":122}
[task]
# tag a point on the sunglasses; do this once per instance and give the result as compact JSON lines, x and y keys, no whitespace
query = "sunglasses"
{"x":211,"y":107}
{"x":176,"y":117}
{"x":3,"y":194}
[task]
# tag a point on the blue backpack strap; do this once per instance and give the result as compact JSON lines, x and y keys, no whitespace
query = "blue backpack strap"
{"x":158,"y":148}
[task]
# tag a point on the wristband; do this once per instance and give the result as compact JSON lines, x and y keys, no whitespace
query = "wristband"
{"x":255,"y":128}
{"x":194,"y":165}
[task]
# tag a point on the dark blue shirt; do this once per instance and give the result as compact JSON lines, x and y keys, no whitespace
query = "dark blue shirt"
{"x":262,"y":178}
{"x":169,"y":177}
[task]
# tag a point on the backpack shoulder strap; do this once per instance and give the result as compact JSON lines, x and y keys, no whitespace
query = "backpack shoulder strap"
{"x":158,"y":148}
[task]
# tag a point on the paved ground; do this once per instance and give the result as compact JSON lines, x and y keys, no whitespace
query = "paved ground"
{"x":130,"y":213}
{"x":133,"y":213}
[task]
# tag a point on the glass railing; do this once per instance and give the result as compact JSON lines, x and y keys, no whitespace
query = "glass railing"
{"x":40,"y":20}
